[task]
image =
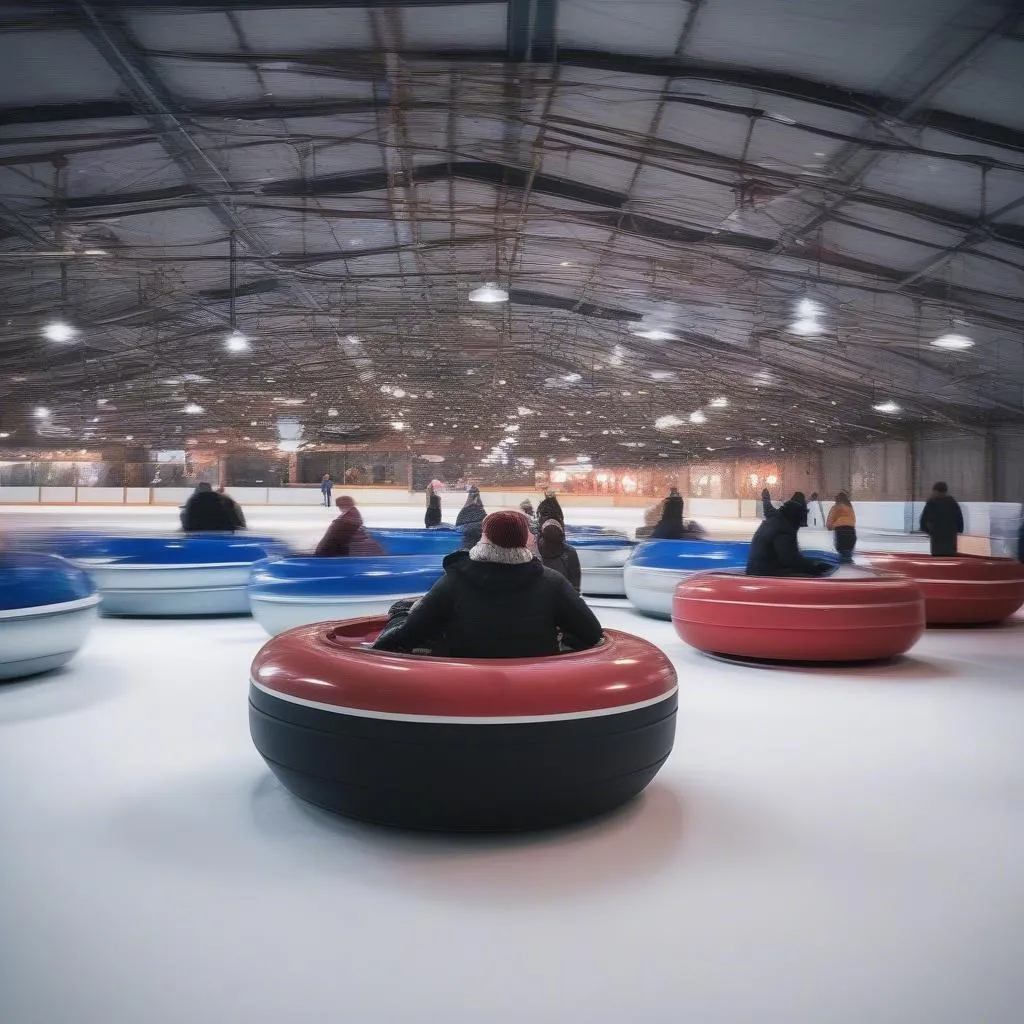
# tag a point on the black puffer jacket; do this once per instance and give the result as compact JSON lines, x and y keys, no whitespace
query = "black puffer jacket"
{"x":204,"y":510}
{"x":562,"y":558}
{"x":774,"y":550}
{"x":942,"y":519}
{"x":486,"y":610}
{"x":472,"y":512}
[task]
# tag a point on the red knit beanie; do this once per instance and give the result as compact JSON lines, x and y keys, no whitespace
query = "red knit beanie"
{"x":507,"y":529}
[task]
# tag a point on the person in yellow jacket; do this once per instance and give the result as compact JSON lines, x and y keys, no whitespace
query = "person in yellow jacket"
{"x":842,"y":521}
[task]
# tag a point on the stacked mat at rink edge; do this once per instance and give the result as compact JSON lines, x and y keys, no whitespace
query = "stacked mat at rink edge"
{"x":657,"y":566}
{"x":47,"y":607}
{"x":289,"y":592}
{"x":183,"y":575}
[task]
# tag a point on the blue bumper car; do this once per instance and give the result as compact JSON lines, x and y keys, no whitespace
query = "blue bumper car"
{"x":47,"y":607}
{"x":289,"y":592}
{"x":184,"y":575}
{"x":657,"y":566}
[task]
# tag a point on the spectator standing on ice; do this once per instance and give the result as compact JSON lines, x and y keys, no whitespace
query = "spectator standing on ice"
{"x":943,"y":520}
{"x":432,"y":517}
{"x":842,"y":521}
{"x":326,"y":483}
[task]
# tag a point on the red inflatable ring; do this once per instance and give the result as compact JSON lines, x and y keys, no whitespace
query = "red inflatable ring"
{"x":442,"y":743}
{"x":862,"y":617}
{"x":962,"y":589}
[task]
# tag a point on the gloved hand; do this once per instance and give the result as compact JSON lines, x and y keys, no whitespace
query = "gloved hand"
{"x":402,"y":607}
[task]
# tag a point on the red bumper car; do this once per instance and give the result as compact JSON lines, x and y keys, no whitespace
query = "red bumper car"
{"x":852,"y":617}
{"x":963,"y":589}
{"x":443,"y":743}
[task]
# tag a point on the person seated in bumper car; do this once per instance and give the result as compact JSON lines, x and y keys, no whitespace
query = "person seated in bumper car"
{"x":495,"y":601}
{"x":346,"y":535}
{"x":557,"y":554}
{"x":774,"y":550}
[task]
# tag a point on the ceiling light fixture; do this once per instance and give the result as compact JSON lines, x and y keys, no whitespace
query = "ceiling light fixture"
{"x":953,"y":342}
{"x":888,"y":406}
{"x":719,"y":403}
{"x":806,"y":328}
{"x":666,"y":422}
{"x":193,"y":409}
{"x":488,"y":293}
{"x":237,"y":342}
{"x":698,"y":417}
{"x":59,"y":332}
{"x":654,"y":334}
{"x":41,"y":412}
{"x":807,"y":309}
{"x":397,"y":425}
{"x":572,"y":378}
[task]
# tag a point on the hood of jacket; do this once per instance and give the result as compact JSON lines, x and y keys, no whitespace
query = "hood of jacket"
{"x":492,"y":576}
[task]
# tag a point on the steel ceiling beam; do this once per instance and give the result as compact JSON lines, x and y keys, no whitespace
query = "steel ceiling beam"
{"x":531,"y":31}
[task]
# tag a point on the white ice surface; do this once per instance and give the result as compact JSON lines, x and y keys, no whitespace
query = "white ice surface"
{"x":824,"y":846}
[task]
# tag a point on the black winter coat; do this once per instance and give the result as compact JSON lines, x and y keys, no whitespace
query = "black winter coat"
{"x":206,"y":511}
{"x":486,"y":610}
{"x":774,"y":551}
{"x":432,"y":517}
{"x":563,"y":560}
{"x":235,"y":511}
{"x":942,"y":520}
{"x":473,"y":513}
{"x":550,"y":509}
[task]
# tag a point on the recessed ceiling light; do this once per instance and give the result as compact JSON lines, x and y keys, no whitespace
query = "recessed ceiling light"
{"x":718,"y":403}
{"x":655,"y":334}
{"x":237,"y":342}
{"x":96,"y":252}
{"x":193,"y":409}
{"x":888,"y":407}
{"x":819,"y":440}
{"x":488,"y":293}
{"x":805,"y":328}
{"x":698,"y":417}
{"x":666,"y":422}
{"x":59,"y":331}
{"x":953,"y":342}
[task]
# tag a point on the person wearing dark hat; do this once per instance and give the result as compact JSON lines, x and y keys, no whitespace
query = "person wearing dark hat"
{"x":205,"y":511}
{"x":556,"y":554}
{"x":497,"y":601}
{"x":346,"y":535}
{"x":774,"y":550}
{"x":549,"y":508}
{"x":943,"y":520}
{"x":526,"y":507}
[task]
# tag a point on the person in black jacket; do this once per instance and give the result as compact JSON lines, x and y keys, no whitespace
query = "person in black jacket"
{"x":549,"y":508}
{"x":432,"y":517}
{"x":767,"y":508}
{"x":497,"y":601}
{"x":942,"y":520}
{"x":556,"y":554}
{"x":206,"y":511}
{"x":670,"y":526}
{"x":234,"y":509}
{"x":774,"y":550}
{"x":473,"y":511}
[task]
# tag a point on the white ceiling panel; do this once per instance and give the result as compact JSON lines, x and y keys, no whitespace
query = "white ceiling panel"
{"x":648,"y":27}
{"x":298,"y":28}
{"x":52,"y":67}
{"x":473,"y":26}
{"x":990,"y":89}
{"x":856,"y":43}
{"x":186,"y":31}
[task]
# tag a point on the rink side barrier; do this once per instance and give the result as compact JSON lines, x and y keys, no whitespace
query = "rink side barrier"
{"x":995,"y":521}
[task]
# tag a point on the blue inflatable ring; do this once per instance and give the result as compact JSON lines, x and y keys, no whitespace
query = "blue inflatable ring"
{"x":289,"y":592}
{"x":183,"y":575}
{"x":47,"y":607}
{"x":657,"y":566}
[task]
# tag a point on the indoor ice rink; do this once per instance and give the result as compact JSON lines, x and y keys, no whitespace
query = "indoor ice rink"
{"x":666,"y":355}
